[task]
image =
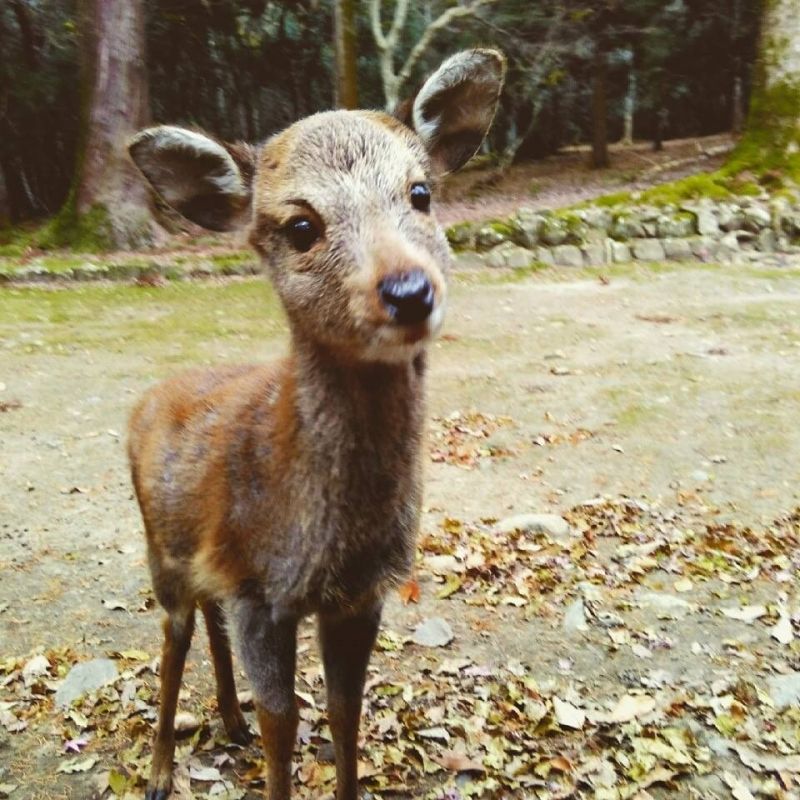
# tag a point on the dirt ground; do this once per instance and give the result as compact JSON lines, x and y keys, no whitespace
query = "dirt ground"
{"x":566,"y":178}
{"x":675,"y":387}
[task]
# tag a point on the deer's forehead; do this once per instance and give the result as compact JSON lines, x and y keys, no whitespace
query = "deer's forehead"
{"x":338,"y":150}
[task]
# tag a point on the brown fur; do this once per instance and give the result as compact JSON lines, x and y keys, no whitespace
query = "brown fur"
{"x":284,"y":490}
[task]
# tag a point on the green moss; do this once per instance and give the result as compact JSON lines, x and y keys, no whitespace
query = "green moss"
{"x":695,"y":187}
{"x":502,"y":227}
{"x":610,"y":200}
{"x":460,"y":235}
{"x":771,"y":144}
{"x":575,"y":228}
{"x":86,"y":233}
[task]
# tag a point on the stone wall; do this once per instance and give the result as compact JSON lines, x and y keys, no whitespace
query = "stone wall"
{"x":720,"y":231}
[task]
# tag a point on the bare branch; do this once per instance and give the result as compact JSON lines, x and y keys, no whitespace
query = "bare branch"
{"x":375,"y":21}
{"x":441,"y":22}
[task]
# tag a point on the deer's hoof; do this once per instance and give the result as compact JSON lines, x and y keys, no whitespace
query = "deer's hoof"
{"x":156,"y":794}
{"x":240,"y":733}
{"x":237,"y":728}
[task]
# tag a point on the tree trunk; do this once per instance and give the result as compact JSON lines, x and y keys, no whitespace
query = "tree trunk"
{"x":599,"y":110}
{"x":108,"y":205}
{"x":5,"y":207}
{"x":772,"y":134}
{"x":629,"y":107}
{"x":737,"y":104}
{"x":344,"y":34}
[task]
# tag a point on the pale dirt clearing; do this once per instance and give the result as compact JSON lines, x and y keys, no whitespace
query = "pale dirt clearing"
{"x":675,"y":387}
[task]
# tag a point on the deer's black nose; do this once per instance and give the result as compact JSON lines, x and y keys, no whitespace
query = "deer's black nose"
{"x":408,"y":296}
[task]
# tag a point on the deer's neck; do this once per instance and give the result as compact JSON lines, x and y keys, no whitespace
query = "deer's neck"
{"x":346,"y":409}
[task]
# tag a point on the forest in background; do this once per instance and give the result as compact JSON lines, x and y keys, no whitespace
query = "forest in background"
{"x":578,"y":72}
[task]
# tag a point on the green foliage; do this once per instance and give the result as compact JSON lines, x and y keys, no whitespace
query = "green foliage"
{"x":771,"y":143}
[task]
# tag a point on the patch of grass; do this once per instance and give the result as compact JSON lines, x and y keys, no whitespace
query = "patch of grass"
{"x":182,"y":317}
{"x":223,"y":261}
{"x":610,"y":200}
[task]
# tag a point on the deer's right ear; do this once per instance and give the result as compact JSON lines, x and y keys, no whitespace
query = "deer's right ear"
{"x":205,"y":181}
{"x":455,"y":107}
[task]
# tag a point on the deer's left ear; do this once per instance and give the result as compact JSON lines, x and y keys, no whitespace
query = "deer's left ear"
{"x":455,"y":107}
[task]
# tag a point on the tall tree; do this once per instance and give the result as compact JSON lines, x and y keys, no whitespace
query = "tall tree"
{"x":108,"y":203}
{"x":388,"y":43}
{"x":344,"y":35}
{"x":772,"y":134}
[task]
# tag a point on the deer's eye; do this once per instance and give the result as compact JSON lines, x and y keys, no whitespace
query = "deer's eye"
{"x":421,"y":197}
{"x":302,"y":233}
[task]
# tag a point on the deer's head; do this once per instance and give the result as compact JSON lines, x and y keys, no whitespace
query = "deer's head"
{"x":339,"y":206}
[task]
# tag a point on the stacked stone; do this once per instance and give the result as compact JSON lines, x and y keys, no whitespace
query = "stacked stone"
{"x":722,"y":231}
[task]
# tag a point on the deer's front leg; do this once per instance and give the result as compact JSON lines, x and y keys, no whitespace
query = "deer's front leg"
{"x":268,"y":647}
{"x":347,"y":642}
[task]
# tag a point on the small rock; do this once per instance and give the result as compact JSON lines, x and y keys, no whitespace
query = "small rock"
{"x":677,"y":226}
{"x":528,"y":227}
{"x":550,"y":524}
{"x":626,"y":226}
{"x":666,"y":603}
{"x":433,"y":632}
{"x":575,"y":617}
{"x":767,"y":241}
{"x":756,"y":218}
{"x":487,"y":238}
{"x":620,"y":252}
{"x":597,"y":218}
{"x":730,"y":241}
{"x":544,"y":255}
{"x":704,"y":247}
{"x":648,"y":250}
{"x":677,"y":249}
{"x":707,"y":224}
{"x":511,"y":255}
{"x":568,"y":255}
{"x":461,"y":235}
{"x":730,"y":217}
{"x":594,"y":255}
{"x":85,"y":677}
{"x":554,"y":231}
{"x":701,"y":476}
{"x":784,"y":690}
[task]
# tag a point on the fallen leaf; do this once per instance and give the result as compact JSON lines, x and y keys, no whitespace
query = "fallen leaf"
{"x":766,"y":762}
{"x":409,"y":592}
{"x":745,"y":613}
{"x":567,"y":715}
{"x":738,"y":788}
{"x":458,"y":762}
{"x":628,"y":707}
{"x":77,"y":765}
{"x":440,"y":734}
{"x":198,"y":772}
{"x":782,"y":630}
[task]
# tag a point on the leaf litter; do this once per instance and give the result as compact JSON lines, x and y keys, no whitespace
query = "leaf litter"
{"x":444,"y":725}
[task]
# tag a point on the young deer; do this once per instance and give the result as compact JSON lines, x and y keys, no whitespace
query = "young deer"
{"x":269,"y":493}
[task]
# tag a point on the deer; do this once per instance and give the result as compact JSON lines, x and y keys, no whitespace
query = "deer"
{"x":274,"y":492}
